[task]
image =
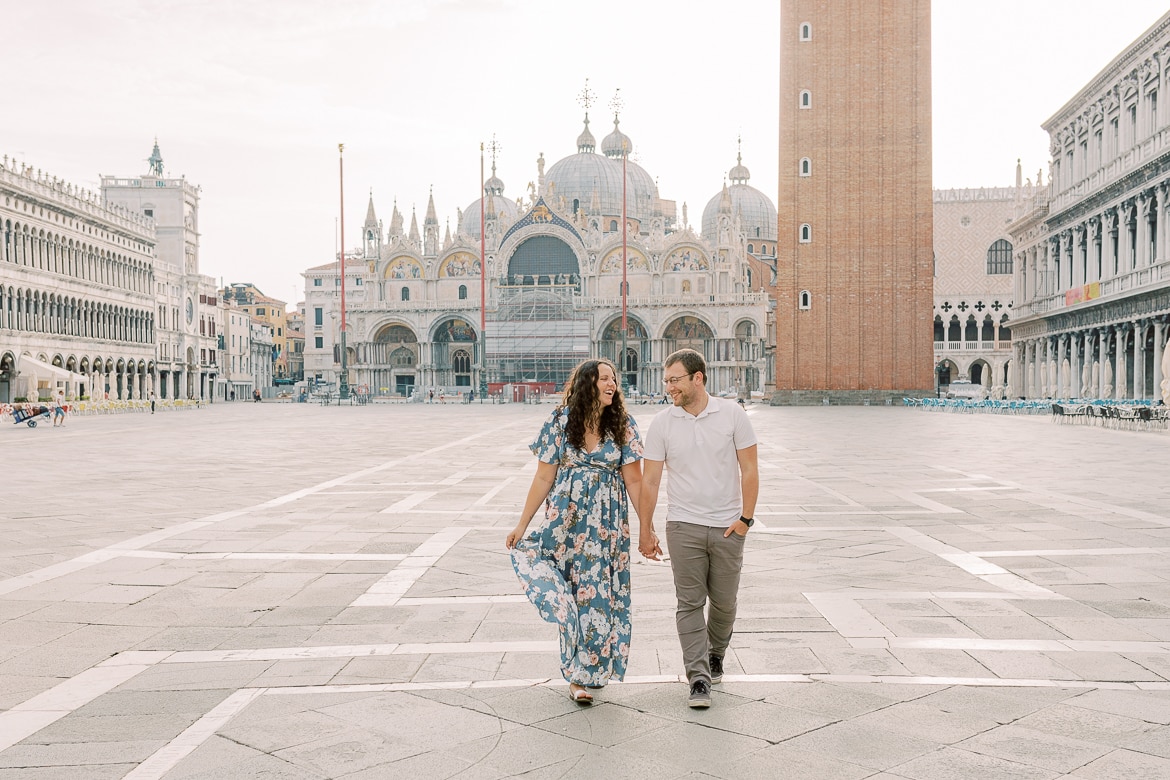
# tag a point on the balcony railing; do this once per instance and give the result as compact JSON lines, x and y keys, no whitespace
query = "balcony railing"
{"x":1116,"y":286}
{"x":971,"y":346}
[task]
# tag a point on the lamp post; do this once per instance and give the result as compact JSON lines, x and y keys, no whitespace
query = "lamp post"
{"x":938,"y":371}
{"x":343,"y":383}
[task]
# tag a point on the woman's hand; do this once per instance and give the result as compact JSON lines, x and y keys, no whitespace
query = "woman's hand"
{"x":515,"y":535}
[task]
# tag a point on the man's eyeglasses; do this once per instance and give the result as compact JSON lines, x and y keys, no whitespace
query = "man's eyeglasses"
{"x":671,"y":381}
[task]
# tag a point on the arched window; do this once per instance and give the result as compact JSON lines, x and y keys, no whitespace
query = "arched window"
{"x":806,"y":32}
{"x":751,"y":249}
{"x":939,"y":333}
{"x":612,"y":225}
{"x":806,"y":233}
{"x":462,"y":292}
{"x":805,"y":300}
{"x":987,"y":331}
{"x":805,"y":99}
{"x":805,"y":166}
{"x":461,"y":361}
{"x":406,"y":293}
{"x":999,"y":257}
{"x":1005,"y":333}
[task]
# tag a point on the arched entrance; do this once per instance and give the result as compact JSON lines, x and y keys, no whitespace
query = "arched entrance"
{"x":393,"y":358}
{"x":453,"y":350}
{"x":637,"y":350}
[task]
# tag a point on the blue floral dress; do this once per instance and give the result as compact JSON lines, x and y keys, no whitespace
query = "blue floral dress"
{"x":576,"y":567}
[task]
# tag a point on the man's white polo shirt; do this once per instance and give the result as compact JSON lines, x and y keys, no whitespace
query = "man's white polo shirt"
{"x":700,"y":453}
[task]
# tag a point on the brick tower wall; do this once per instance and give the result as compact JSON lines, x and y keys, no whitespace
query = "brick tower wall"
{"x":869,"y":265}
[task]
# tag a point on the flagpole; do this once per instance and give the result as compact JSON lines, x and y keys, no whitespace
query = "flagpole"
{"x":482,"y":282}
{"x":622,"y":365}
{"x":343,"y":383}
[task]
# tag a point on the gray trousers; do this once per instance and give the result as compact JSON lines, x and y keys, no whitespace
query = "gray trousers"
{"x":706,"y":571}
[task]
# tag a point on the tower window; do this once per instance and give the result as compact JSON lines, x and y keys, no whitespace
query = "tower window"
{"x":806,"y":233}
{"x":406,"y":293}
{"x":805,"y":99}
{"x":805,"y":300}
{"x":751,"y":249}
{"x":806,"y":32}
{"x":805,"y":166}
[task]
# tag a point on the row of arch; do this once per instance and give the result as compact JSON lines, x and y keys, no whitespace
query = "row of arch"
{"x":455,"y":329}
{"x":972,"y":330}
{"x":52,"y":252}
{"x":35,"y":311}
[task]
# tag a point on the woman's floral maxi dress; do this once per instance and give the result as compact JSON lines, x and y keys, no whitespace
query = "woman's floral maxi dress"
{"x":576,"y":567}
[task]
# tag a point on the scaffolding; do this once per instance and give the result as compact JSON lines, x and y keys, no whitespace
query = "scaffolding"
{"x":536,"y":334}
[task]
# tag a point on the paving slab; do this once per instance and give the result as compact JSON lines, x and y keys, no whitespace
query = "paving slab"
{"x":330,"y":596}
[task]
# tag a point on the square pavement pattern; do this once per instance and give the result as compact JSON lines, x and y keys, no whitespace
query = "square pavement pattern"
{"x":296,"y":591}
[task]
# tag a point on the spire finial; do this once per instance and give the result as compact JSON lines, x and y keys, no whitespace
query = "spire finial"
{"x":616,"y":104}
{"x":587,"y":98}
{"x":494,"y":148}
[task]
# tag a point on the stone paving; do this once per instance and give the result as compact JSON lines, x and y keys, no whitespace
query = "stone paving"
{"x":292,"y":591}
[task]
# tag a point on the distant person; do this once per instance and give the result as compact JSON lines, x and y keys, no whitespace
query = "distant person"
{"x":153,"y":399}
{"x":575,"y":567}
{"x":709,"y":447}
{"x":59,"y":409}
{"x":256,"y":395}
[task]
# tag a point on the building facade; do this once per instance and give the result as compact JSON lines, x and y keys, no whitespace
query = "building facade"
{"x":188,"y":315}
{"x":854,"y":277}
{"x":270,"y":310}
{"x":1092,"y":248}
{"x":77,"y":291}
{"x":553,"y":281}
{"x":973,"y":287}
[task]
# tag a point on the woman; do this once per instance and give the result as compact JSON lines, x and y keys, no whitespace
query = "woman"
{"x":576,"y":567}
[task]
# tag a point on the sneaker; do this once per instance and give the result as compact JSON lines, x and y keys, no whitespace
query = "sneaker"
{"x":700,"y":698}
{"x":716,"y":669}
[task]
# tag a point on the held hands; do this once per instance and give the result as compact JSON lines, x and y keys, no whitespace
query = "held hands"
{"x":648,"y":545}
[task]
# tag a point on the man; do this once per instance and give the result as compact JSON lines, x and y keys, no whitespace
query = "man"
{"x":709,"y":447}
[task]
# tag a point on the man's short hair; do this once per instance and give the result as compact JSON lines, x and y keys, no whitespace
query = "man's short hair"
{"x":691,"y":360}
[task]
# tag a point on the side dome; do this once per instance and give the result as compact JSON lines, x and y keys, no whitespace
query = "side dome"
{"x":757,"y":213}
{"x":503,"y":207}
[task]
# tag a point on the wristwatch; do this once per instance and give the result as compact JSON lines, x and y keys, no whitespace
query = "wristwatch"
{"x":748,"y":521}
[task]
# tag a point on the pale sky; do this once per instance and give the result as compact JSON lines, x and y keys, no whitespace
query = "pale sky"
{"x":250,"y":99}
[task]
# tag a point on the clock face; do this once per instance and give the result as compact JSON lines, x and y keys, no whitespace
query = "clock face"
{"x":190,"y":311}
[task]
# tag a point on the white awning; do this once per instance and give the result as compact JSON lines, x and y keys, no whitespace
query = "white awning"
{"x":30,"y":365}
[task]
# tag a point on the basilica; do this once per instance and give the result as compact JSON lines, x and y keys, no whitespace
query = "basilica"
{"x":552,"y":267}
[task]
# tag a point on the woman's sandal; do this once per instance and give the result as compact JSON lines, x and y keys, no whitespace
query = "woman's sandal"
{"x":580,"y":695}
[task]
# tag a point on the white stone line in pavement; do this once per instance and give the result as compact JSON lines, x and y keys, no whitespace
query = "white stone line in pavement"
{"x":354,"y":651}
{"x":964,"y":489}
{"x":32,"y":715}
{"x":169,"y":755}
{"x":846,"y":616}
{"x":423,"y":601}
{"x":138,"y":542}
{"x":912,"y":497}
{"x":1072,"y":552}
{"x":455,"y":478}
{"x":414,"y":499}
{"x":488,"y":496}
{"x":972,"y":564}
{"x":393,"y":586}
{"x":1015,"y":645}
{"x":263,"y":556}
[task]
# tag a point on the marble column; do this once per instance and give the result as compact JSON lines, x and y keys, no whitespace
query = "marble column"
{"x":1103,"y":382}
{"x":1119,"y":372}
{"x":1074,"y":370}
{"x":1159,"y":332}
{"x":1139,"y":359}
{"x":1143,"y":230}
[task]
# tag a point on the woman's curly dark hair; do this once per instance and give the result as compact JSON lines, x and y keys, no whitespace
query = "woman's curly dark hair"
{"x":583,"y":403}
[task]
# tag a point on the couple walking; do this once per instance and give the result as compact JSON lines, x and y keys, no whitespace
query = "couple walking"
{"x":575,"y":567}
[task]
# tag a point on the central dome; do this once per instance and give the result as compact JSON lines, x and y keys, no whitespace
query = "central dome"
{"x":578,"y":177}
